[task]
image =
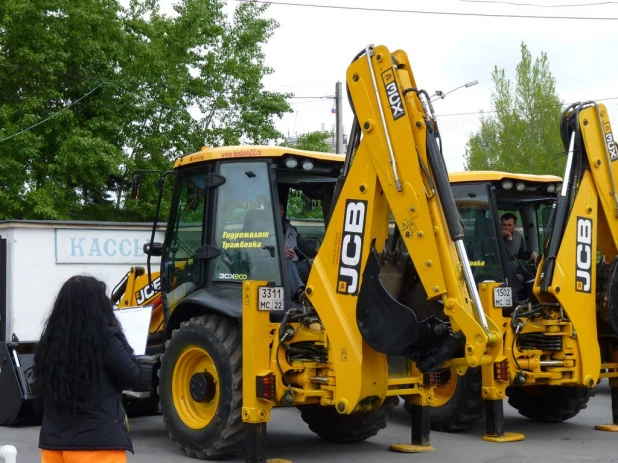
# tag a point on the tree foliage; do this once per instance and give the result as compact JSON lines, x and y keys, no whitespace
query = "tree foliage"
{"x":523,"y":133}
{"x":312,"y":141}
{"x":106,"y":89}
{"x":301,"y":207}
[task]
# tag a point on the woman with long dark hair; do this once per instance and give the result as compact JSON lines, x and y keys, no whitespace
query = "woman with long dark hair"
{"x":82,"y":363}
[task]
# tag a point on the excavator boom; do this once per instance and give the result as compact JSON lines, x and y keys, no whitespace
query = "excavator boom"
{"x":585,"y":219}
{"x":395,"y":166}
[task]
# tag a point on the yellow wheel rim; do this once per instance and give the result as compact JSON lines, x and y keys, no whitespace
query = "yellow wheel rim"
{"x":195,"y":387}
{"x":444,"y":392}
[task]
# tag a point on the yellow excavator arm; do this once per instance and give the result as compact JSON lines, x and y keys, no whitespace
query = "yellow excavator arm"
{"x":585,"y":219}
{"x":395,"y":165}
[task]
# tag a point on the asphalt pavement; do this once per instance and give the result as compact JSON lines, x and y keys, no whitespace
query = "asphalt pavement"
{"x":288,"y":437}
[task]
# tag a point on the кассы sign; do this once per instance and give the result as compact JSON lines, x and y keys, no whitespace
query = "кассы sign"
{"x":80,"y":246}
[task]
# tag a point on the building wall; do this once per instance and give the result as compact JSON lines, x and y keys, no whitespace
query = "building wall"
{"x":43,"y":255}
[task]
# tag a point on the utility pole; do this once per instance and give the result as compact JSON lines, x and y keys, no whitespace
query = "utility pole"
{"x":339,"y":120}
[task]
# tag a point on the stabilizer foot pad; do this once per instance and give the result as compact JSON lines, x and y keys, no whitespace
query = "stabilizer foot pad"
{"x":607,"y":427}
{"x":506,"y":437}
{"x":409,"y":448}
{"x":278,"y":460}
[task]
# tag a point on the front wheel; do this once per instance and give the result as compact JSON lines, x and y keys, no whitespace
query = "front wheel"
{"x":550,"y":404}
{"x":332,"y":426}
{"x":200,"y":387}
{"x":457,"y":401}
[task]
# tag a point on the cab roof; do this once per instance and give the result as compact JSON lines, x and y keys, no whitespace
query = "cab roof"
{"x":265,"y":151}
{"x":496,"y":176}
{"x":252,"y":152}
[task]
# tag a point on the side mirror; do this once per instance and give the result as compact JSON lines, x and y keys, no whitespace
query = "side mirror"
{"x":136,"y":186}
{"x":155,"y":251}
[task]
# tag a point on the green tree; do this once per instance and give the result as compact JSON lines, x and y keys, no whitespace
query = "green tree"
{"x":105,"y":89}
{"x":523,"y":134}
{"x":311,"y":141}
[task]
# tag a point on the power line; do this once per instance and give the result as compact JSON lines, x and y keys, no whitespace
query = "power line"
{"x":53,"y":115}
{"x":441,"y":13}
{"x":101,"y":80}
{"x":305,"y":102}
{"x":537,"y":5}
{"x":304,"y":111}
{"x":107,"y":81}
{"x":323,"y":97}
{"x":115,"y":84}
{"x":310,"y":99}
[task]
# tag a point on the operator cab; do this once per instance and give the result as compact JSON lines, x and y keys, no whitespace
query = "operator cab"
{"x":482,"y":199}
{"x":226,"y":220}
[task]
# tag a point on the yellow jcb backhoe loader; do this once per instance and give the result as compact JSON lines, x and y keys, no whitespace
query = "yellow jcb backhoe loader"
{"x":236,"y":341}
{"x":560,"y":328}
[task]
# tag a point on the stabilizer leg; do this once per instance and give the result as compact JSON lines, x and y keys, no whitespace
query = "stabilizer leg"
{"x":255,"y":442}
{"x":420,"y":420}
{"x":256,"y":407}
{"x":494,"y":424}
{"x":613,"y":384}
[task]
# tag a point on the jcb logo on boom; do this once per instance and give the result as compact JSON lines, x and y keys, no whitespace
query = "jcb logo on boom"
{"x":146,"y":292}
{"x":583,"y":255}
{"x":394,"y":98}
{"x":351,"y":247}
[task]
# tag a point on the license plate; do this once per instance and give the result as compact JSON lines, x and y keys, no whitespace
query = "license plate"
{"x":270,"y":298}
{"x":503,"y":297}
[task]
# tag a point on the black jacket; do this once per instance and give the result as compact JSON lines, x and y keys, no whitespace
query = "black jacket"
{"x":101,"y":424}
{"x":295,"y":239}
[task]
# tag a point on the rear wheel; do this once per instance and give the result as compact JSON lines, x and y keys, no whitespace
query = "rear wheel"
{"x":200,"y":387}
{"x":457,"y":401}
{"x":331,"y":426}
{"x":550,"y":404}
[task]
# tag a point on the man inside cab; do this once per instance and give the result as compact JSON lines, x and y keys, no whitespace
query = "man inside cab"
{"x":515,"y":250}
{"x":514,"y":241}
{"x":297,"y":252}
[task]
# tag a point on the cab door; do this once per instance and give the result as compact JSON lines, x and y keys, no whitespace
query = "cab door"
{"x":246,"y":220}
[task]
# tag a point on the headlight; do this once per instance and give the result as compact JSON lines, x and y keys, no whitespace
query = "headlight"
{"x":291,"y":163}
{"x":507,"y":184}
{"x":551,"y":188}
{"x":307,"y":164}
{"x":520,"y":186}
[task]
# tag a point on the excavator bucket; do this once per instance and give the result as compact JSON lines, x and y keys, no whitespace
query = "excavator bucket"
{"x":393,"y":328}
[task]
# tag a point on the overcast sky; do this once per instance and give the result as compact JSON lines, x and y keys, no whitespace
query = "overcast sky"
{"x":312,"y":47}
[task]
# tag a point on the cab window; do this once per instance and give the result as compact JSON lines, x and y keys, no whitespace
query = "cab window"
{"x":245,"y":225}
{"x":479,"y":231}
{"x":187,"y":233}
{"x":306,"y":215}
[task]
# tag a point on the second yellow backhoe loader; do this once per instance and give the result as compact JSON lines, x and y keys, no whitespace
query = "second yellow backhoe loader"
{"x":559,"y":322}
{"x":482,"y":198}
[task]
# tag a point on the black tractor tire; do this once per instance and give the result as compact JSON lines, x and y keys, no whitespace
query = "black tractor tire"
{"x":213,"y":434}
{"x":332,"y":426}
{"x":549,"y":404}
{"x":141,"y":407}
{"x":465,"y":406}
